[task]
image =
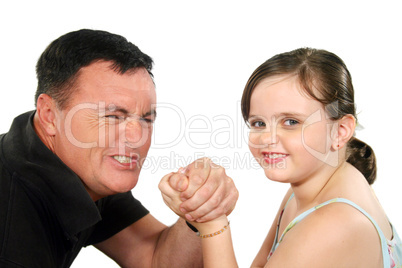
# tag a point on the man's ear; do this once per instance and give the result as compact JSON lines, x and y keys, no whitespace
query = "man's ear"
{"x":46,"y":112}
{"x":344,"y":132}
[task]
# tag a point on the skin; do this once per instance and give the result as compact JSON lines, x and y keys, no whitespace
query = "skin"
{"x":104,"y":135}
{"x":87,"y":135}
{"x":279,"y":130}
{"x":213,"y":248}
{"x":294,"y":147}
{"x":190,"y":182}
{"x":336,"y":235}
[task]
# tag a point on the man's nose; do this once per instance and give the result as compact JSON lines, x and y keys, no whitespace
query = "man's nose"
{"x":134,"y":135}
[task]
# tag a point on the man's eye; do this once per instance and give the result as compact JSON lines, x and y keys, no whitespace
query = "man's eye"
{"x":114,"y":118}
{"x":147,"y":120}
{"x":290,"y":122}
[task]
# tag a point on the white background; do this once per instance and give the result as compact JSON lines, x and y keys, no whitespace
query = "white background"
{"x":204,"y":53}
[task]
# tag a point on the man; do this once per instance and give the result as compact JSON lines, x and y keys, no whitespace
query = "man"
{"x":66,"y":169}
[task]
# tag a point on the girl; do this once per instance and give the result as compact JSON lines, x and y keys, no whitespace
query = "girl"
{"x":302,"y":117}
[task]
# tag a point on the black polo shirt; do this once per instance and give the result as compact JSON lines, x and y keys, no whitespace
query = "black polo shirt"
{"x":46,"y":215}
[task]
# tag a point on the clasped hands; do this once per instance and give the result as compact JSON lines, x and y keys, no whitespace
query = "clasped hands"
{"x":200,"y":192}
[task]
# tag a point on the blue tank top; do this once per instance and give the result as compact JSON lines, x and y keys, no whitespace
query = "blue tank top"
{"x":391,"y":249}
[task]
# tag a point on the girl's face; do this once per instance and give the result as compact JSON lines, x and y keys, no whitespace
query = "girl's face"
{"x":290,"y":133}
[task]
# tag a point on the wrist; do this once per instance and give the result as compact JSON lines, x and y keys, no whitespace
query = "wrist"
{"x":211,"y":226}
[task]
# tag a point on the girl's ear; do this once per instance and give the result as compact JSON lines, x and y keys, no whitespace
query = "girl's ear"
{"x":345,"y":129}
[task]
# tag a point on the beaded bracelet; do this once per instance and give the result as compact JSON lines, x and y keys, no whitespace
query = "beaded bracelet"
{"x":216,"y":233}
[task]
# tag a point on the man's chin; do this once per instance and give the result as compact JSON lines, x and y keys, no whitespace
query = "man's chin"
{"x":123,"y":186}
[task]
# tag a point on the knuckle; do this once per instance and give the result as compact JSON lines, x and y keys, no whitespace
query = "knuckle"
{"x":173,"y":179}
{"x":206,"y":159}
{"x":162,"y":186}
{"x":204,"y":193}
{"x":231,"y":185}
{"x":218,"y":172}
{"x":186,"y":195}
{"x":195,"y":214}
{"x":205,"y":163}
{"x":215,"y":202}
{"x":200,"y":163}
{"x":220,"y":211}
{"x":221,"y":171}
{"x":234,"y":194}
{"x":179,"y":181}
{"x":229,"y":180}
{"x":189,"y":206}
{"x":197,"y":180}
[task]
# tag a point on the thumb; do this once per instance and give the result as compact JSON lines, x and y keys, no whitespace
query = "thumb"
{"x":178,"y":182}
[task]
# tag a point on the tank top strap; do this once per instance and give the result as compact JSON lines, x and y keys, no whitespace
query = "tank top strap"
{"x":275,"y":243}
{"x":287,"y":202}
{"x":384,"y":246}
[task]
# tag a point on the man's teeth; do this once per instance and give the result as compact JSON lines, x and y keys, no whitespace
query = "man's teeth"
{"x":273,"y":156}
{"x":122,"y":159}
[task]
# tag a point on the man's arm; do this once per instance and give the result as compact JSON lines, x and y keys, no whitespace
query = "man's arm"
{"x":149,"y":243}
{"x":208,"y":193}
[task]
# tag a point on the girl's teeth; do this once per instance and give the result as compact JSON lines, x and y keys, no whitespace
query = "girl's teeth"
{"x":272,"y":156}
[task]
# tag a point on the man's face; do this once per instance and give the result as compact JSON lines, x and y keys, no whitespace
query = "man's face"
{"x":105,"y":132}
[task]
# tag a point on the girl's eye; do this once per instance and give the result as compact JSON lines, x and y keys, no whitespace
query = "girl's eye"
{"x":290,"y":122}
{"x":257,"y":124}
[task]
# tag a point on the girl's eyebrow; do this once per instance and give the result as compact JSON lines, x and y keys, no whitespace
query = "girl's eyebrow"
{"x":290,"y":114}
{"x":278,"y":115}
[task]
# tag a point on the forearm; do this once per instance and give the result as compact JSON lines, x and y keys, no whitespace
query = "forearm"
{"x":178,"y":246}
{"x":217,"y":249}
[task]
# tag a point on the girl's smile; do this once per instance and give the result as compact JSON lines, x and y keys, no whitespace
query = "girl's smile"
{"x":282,"y":137}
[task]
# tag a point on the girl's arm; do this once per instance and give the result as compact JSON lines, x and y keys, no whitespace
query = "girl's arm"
{"x":217,"y":246}
{"x":218,"y":250}
{"x":215,"y":235}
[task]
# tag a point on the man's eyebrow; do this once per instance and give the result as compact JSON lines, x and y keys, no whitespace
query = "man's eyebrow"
{"x":150,"y":113}
{"x":119,"y":109}
{"x":125,"y":112}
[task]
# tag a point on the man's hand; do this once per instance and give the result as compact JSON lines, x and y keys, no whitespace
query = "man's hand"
{"x":200,"y":192}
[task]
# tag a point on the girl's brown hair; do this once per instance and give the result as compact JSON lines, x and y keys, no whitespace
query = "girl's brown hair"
{"x":324,"y":77}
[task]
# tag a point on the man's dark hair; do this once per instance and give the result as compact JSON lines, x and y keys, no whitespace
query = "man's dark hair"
{"x":59,"y":65}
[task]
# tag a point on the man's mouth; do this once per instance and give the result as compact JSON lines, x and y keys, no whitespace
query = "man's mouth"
{"x":123,"y":159}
